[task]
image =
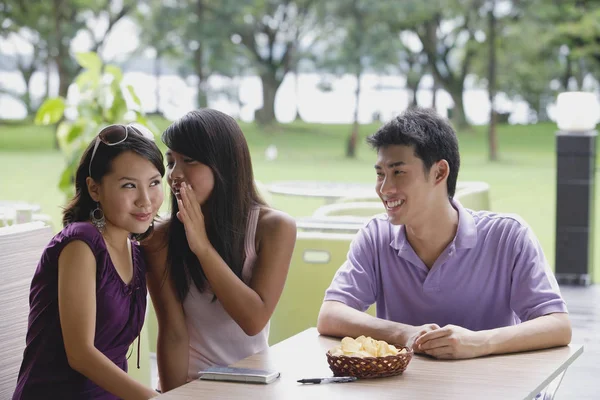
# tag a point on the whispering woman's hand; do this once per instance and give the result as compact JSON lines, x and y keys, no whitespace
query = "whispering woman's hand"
{"x":190,"y":214}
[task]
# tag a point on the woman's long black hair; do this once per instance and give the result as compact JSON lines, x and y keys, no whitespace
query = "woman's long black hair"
{"x":214,"y":139}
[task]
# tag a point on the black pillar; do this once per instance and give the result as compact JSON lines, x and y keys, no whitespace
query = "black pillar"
{"x":575,"y":179}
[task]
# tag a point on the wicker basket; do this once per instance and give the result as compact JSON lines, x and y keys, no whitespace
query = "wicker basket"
{"x":370,"y":367}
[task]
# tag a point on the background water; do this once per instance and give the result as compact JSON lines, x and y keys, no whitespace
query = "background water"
{"x":380,"y":94}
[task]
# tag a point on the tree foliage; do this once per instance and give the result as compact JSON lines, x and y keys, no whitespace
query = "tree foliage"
{"x":102,"y":100}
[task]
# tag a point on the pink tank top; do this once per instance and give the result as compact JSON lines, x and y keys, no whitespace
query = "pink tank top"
{"x":215,"y":338}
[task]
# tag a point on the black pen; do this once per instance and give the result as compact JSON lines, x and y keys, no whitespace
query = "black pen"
{"x":335,"y":379}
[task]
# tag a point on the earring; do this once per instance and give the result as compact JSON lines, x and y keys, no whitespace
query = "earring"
{"x":97,"y":217}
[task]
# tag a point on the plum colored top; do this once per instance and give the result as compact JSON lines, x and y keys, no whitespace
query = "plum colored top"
{"x":120,"y":312}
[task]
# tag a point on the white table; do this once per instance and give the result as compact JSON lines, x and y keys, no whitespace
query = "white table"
{"x":331,"y":224}
{"x":330,"y":191}
{"x":17,"y":212}
{"x":511,"y":376}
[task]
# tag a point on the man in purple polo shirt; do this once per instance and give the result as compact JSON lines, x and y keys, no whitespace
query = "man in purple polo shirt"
{"x":450,"y":282}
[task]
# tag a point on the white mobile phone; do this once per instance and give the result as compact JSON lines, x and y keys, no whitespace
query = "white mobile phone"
{"x":238,"y":375}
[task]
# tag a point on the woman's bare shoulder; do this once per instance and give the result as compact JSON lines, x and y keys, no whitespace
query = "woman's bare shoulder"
{"x":272,"y":223}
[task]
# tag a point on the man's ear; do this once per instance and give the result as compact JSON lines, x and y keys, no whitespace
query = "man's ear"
{"x":442,"y":170}
{"x":93,"y":189}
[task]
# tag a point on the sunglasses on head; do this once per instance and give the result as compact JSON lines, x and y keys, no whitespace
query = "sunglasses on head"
{"x":115,"y":134}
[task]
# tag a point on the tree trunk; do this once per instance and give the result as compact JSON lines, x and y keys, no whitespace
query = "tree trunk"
{"x":353,"y":138}
{"x":413,"y":87}
{"x":238,"y":97}
{"x":270,"y":84}
{"x":63,"y":84}
{"x":581,"y":72}
{"x":201,"y":96}
{"x":48,"y":74}
{"x":157,"y":73}
{"x":297,"y":88}
{"x":451,"y":80}
{"x":492,"y":138}
{"x":542,"y":104}
{"x":459,"y":118}
{"x":358,"y":41}
{"x":568,"y":73}
{"x":62,"y":57}
{"x":413,"y":94}
{"x":64,"y":79}
{"x":27,"y":95}
{"x":434,"y":90}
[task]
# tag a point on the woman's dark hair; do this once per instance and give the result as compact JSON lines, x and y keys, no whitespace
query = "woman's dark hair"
{"x":215,"y":140}
{"x":82,"y":204}
{"x":431,"y":136}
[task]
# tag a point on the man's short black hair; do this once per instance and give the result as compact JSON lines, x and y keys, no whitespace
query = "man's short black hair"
{"x":431,"y":136}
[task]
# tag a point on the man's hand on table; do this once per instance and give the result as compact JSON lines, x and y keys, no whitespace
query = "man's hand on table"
{"x":451,"y":342}
{"x":419,"y":331}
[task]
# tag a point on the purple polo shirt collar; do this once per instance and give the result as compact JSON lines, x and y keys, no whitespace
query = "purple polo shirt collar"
{"x":466,"y":233}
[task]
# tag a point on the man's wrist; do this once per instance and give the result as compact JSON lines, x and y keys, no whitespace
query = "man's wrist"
{"x":487,"y":343}
{"x":403,"y":334}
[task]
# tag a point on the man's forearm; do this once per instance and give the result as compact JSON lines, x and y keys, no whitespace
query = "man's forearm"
{"x":547,"y":331}
{"x":338,"y":319}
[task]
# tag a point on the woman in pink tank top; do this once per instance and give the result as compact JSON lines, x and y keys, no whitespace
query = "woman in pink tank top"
{"x":217,"y":266}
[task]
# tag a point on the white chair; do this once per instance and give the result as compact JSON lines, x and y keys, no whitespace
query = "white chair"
{"x":20,"y":249}
{"x":263,"y":191}
{"x":316,"y":258}
{"x":354,"y":209}
{"x":474,"y":195}
{"x":333,"y":224}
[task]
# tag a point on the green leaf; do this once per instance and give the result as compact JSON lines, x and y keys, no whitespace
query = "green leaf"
{"x":69,"y":132}
{"x":90,"y":61}
{"x":148,"y":124}
{"x":65,"y":184}
{"x":51,"y":111}
{"x":87,"y":79}
{"x":134,"y":96}
{"x":62,"y":134}
{"x":118,"y":109}
{"x":115,"y":71}
{"x":102,"y":100}
{"x":141,"y":119}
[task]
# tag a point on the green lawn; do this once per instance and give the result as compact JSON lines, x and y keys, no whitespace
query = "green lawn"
{"x":522,"y":182}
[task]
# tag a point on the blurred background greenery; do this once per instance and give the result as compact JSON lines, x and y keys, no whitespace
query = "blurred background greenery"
{"x":523,"y":182}
{"x":310,"y":78}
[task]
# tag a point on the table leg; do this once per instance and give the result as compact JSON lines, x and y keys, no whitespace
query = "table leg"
{"x":552,"y":388}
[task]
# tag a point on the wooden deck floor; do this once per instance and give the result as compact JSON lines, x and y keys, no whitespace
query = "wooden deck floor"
{"x":582,"y":380}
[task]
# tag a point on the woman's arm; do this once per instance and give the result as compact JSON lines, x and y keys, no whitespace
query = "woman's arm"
{"x":251,"y":306}
{"x":77,"y":309}
{"x":173,"y":341}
